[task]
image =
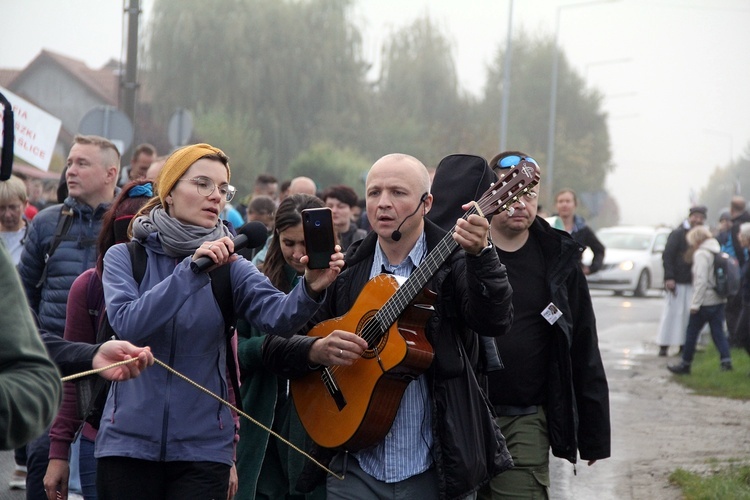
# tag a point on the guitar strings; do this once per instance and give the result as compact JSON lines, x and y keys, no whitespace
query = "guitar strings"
{"x":387,"y":315}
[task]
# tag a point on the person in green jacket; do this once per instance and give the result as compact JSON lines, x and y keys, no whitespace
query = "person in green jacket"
{"x":30,"y":387}
{"x":267,"y":468}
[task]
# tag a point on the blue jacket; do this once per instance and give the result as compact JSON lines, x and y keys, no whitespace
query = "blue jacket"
{"x":75,"y":254}
{"x":158,"y":416}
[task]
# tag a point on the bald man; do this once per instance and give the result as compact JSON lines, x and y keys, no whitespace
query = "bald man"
{"x":303,"y":185}
{"x":419,"y":457}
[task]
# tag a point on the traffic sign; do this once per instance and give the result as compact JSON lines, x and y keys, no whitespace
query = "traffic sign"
{"x":108,"y":122}
{"x":180,"y":128}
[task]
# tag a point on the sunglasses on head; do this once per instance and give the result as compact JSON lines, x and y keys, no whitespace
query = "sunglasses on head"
{"x":511,"y":161}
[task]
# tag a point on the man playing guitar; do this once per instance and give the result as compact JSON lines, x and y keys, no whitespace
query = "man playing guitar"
{"x":435,"y":446}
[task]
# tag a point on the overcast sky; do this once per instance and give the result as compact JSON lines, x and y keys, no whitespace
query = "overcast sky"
{"x":675,"y":73}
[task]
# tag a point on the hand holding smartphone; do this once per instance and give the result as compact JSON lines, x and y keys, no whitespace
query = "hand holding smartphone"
{"x":317,"y":226}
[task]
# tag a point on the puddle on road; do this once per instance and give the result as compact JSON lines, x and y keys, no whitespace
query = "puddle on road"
{"x":627,"y":358}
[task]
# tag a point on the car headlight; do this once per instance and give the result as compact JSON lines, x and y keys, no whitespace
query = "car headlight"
{"x":626,"y":266}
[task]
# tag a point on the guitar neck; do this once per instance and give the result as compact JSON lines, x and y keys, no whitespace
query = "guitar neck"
{"x":398,"y":302}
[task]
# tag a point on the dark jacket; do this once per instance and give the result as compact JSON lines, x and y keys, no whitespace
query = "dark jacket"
{"x":737,"y":221}
{"x":675,"y":266}
{"x":75,"y":254}
{"x":353,"y":234}
{"x":578,"y":396}
{"x":585,"y":237}
{"x":472,"y":292}
{"x":70,"y":357}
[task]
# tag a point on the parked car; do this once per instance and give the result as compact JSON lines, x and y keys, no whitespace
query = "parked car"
{"x":632,"y":260}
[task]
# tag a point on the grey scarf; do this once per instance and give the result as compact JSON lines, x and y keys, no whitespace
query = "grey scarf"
{"x":177,"y":239}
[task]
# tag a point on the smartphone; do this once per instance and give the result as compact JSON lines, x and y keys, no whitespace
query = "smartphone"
{"x":317,"y":226}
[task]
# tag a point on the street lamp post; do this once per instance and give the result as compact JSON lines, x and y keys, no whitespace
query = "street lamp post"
{"x":553,"y":96}
{"x":506,"y":82}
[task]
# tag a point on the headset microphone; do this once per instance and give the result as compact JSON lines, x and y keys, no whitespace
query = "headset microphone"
{"x":396,"y":235}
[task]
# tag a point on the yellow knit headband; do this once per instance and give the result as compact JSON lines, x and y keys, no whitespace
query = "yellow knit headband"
{"x":178,"y":163}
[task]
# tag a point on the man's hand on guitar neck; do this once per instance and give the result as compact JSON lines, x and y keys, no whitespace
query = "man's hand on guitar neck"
{"x":472,"y":233}
{"x":337,"y":348}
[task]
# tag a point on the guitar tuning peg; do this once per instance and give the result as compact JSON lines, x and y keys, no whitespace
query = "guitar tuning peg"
{"x":511,"y":211}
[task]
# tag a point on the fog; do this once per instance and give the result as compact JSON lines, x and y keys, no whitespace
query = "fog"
{"x":674,"y":73}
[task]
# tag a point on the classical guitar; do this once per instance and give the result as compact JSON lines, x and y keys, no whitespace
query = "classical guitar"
{"x":353,"y":407}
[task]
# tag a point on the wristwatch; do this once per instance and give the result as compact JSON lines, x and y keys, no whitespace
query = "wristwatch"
{"x":486,"y":249}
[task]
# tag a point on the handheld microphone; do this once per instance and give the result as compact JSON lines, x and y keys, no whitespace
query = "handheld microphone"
{"x":396,"y":235}
{"x":253,"y":235}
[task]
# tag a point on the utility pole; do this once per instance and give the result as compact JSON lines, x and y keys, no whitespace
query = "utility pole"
{"x":129,"y":84}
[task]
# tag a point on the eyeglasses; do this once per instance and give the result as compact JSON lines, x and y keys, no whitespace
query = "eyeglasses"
{"x":512,"y":161}
{"x":206,"y":187}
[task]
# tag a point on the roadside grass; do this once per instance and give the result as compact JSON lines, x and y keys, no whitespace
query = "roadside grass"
{"x":722,"y":481}
{"x":706,"y":378}
{"x":732,"y":482}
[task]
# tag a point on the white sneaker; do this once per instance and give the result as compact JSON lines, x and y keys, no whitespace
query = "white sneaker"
{"x":18,"y":479}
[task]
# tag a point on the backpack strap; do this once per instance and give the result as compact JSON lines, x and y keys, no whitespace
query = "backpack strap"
{"x":138,"y":260}
{"x":63,"y":226}
{"x":94,"y":300}
{"x":221,"y":285}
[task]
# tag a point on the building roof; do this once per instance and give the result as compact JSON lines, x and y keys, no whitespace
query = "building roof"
{"x":7,"y":76}
{"x":104,"y":82}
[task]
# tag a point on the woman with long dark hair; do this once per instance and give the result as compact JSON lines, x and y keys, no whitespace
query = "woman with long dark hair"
{"x":268,"y":468}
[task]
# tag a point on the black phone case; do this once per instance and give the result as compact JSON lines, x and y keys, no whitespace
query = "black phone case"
{"x":317,"y":225}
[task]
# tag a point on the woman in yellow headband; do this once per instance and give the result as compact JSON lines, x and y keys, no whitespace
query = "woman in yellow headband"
{"x":174,"y":440}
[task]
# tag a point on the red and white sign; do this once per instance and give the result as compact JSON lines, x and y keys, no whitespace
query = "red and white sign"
{"x":36,"y":131}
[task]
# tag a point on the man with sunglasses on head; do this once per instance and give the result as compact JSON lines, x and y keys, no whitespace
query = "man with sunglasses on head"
{"x":552,"y":392}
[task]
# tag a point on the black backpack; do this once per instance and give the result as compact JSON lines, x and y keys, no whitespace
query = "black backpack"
{"x":92,"y":391}
{"x":727,"y":274}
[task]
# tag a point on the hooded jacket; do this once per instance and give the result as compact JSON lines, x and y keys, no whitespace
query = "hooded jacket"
{"x":158,"y":416}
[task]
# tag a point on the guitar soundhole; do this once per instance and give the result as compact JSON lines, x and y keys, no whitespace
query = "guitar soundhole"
{"x":371,"y":332}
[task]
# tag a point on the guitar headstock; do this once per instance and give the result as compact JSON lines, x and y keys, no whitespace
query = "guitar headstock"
{"x":514,"y":182}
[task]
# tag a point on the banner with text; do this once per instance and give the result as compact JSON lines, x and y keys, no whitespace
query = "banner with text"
{"x":36,"y":131}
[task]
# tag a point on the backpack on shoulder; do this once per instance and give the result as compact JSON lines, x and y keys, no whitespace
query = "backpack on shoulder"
{"x":726,"y":274}
{"x":92,"y":391}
